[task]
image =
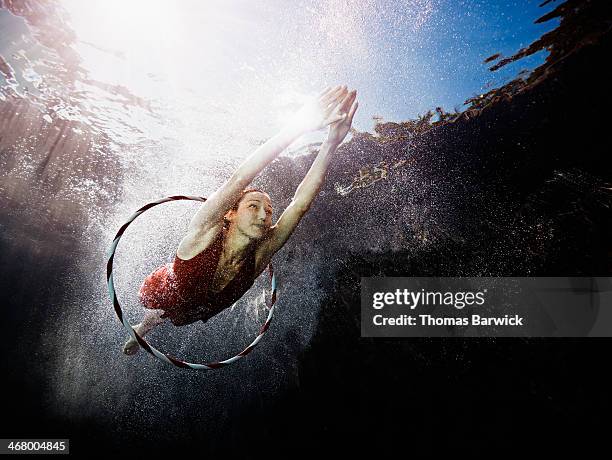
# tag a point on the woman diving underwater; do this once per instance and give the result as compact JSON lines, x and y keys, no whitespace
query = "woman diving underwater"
{"x":230,"y":240}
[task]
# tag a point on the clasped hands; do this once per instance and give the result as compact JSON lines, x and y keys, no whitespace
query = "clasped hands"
{"x":333,"y":107}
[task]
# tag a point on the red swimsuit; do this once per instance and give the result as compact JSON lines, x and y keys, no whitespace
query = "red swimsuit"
{"x":181,"y":288}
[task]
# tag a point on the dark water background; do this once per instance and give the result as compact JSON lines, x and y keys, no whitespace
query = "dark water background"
{"x":519,"y":184}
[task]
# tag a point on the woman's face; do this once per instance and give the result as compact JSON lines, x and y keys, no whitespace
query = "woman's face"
{"x":254,"y":215}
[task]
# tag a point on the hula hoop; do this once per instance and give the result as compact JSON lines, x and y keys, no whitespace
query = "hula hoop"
{"x":142,"y":342}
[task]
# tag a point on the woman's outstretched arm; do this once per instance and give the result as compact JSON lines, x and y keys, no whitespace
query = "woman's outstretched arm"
{"x":314,"y":179}
{"x":316,"y":114}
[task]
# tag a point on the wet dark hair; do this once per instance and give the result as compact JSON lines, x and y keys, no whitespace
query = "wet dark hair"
{"x":244,"y":192}
{"x":237,"y":204}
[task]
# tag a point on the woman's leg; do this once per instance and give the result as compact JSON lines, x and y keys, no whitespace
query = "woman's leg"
{"x":151,"y":319}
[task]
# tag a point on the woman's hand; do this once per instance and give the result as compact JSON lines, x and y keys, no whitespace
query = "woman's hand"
{"x":339,"y":129}
{"x":319,"y":112}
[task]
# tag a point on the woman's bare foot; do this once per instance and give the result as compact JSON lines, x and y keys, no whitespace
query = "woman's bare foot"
{"x":131,"y":347}
{"x":151,"y":319}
